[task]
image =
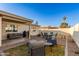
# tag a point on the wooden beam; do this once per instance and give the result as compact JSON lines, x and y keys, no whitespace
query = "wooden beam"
{"x":29,"y":31}
{"x":0,"y":31}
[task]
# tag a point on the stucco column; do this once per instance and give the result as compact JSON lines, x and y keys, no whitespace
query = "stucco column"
{"x":29,"y":31}
{"x":0,"y":30}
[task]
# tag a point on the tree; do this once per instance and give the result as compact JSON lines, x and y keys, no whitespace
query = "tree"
{"x":64,"y":24}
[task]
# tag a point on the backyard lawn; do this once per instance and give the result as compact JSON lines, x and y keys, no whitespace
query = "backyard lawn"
{"x":17,"y":51}
{"x":22,"y":50}
{"x":57,"y":50}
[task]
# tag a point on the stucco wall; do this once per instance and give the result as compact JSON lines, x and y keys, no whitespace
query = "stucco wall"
{"x":21,"y":28}
{"x":66,"y":30}
{"x":76,"y":37}
{"x":36,"y":32}
{"x":75,"y":33}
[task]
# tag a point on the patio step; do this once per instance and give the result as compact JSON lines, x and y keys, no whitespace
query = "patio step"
{"x":13,"y":43}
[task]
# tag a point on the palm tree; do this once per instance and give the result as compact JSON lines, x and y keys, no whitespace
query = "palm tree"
{"x":64,"y":24}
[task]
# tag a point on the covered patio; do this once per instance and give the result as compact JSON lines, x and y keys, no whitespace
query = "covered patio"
{"x":12,"y":26}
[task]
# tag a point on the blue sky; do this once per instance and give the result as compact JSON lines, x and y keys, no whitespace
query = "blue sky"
{"x":45,"y":13}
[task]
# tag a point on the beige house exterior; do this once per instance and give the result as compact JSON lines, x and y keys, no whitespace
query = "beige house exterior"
{"x":35,"y":30}
{"x":10,"y":23}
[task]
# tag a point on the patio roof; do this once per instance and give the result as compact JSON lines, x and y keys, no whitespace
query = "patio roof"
{"x":3,"y":13}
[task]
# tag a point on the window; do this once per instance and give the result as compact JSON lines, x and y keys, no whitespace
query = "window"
{"x":11,"y":28}
{"x":34,"y":30}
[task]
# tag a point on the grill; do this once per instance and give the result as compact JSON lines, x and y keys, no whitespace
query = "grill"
{"x":36,"y":48}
